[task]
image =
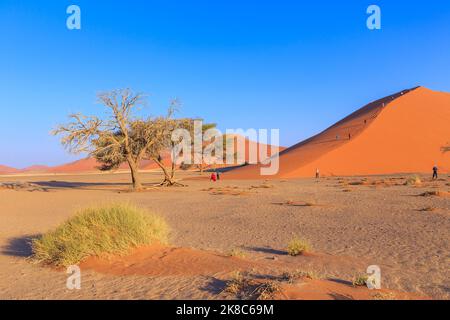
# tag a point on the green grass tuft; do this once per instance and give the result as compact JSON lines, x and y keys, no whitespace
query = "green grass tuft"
{"x":98,"y":231}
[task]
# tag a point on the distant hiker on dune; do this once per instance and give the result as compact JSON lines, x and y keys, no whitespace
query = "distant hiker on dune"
{"x":317,"y":173}
{"x":435,"y":172}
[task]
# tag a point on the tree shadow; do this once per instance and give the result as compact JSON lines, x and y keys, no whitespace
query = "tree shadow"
{"x":78,"y":185}
{"x":92,"y":186}
{"x":19,"y":246}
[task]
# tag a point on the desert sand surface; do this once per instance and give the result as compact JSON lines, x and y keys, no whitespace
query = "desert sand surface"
{"x":351,"y":222}
{"x":404,"y":132}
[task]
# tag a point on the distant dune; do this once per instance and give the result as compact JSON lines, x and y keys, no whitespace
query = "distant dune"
{"x":83,"y":165}
{"x":7,"y":170}
{"x":36,"y":168}
{"x":402,"y":133}
{"x":88,"y":165}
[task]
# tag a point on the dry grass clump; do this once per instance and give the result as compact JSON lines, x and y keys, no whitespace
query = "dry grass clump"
{"x":236,"y":284}
{"x":267,"y":290}
{"x":298,"y":246}
{"x":360,"y":280}
{"x":293,"y":276}
{"x":247,"y":288}
{"x":98,"y":231}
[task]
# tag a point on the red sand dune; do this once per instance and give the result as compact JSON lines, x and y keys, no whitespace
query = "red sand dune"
{"x":8,"y":170}
{"x":83,"y":165}
{"x":88,"y":165}
{"x":36,"y":168}
{"x":402,"y":133}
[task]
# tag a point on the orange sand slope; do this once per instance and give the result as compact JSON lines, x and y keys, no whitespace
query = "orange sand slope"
{"x":402,"y":133}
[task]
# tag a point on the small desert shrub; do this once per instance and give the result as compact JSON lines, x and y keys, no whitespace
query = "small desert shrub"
{"x":246,"y":288}
{"x":298,"y":246}
{"x":236,"y":284}
{"x":267,"y":290}
{"x":97,"y":231}
{"x":360,"y":280}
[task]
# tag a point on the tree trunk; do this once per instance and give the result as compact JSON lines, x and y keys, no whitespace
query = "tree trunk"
{"x":135,"y":178}
{"x":168,"y":177}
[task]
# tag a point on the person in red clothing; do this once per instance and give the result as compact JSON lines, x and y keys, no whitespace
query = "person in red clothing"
{"x":213,"y":177}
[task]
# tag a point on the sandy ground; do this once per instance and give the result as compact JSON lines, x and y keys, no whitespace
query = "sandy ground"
{"x":350,"y":225}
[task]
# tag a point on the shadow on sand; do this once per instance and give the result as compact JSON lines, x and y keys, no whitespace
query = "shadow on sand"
{"x":92,"y":186}
{"x":78,"y":185}
{"x":214,"y":286}
{"x":340,"y":281}
{"x":266,"y":250}
{"x":19,"y":247}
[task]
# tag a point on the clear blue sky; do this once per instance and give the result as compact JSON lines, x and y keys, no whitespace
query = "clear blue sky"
{"x":243,"y":64}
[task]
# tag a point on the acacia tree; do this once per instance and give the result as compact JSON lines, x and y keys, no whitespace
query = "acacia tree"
{"x":120,"y":138}
{"x":199,"y":154}
{"x":160,"y":130}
